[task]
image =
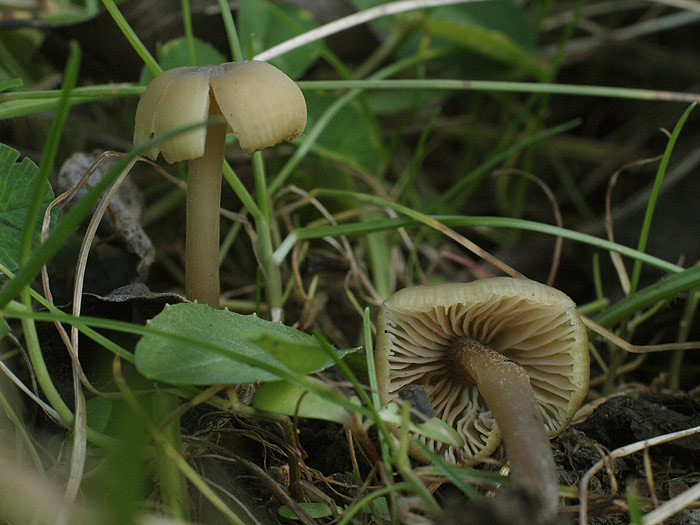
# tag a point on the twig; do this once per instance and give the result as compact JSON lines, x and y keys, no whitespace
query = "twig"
{"x":626,"y":451}
{"x":349,"y":21}
{"x":616,"y":258}
{"x":673,"y":506}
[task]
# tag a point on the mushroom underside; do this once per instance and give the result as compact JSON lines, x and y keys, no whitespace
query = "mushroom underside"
{"x":527,"y":332}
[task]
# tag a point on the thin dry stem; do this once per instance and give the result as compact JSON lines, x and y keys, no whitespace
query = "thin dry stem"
{"x":636,"y":349}
{"x":349,"y":21}
{"x":475,"y":269}
{"x":79,"y":452}
{"x":62,"y":200}
{"x":79,"y":448}
{"x":556,"y":256}
{"x":673,"y":506}
{"x":615,"y":257}
{"x":31,"y":395}
{"x":649,"y":475}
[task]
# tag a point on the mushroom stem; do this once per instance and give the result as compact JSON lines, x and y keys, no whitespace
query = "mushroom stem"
{"x":505,"y":388}
{"x":202,"y":225}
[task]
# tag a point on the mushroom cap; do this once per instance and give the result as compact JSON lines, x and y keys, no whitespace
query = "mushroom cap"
{"x":530,"y":323}
{"x":261,"y":105}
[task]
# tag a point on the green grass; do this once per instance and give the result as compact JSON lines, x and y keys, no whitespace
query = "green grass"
{"x":392,"y":173}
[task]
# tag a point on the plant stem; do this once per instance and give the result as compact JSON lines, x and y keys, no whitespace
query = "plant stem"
{"x":505,"y":387}
{"x":203,"y":203}
{"x":263,"y":227}
{"x":131,"y":36}
{"x":189,"y":35}
{"x":689,"y":314}
{"x":231,"y":33}
{"x":653,"y":196}
{"x":173,"y":487}
{"x":271,"y":272}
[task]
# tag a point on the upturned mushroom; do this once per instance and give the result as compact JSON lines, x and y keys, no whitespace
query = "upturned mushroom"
{"x":498,"y":358}
{"x":261,"y":105}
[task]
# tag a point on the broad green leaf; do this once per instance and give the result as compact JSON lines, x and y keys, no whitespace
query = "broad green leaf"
{"x":17,"y":180}
{"x":282,"y":397}
{"x":175,"y":54}
{"x":315,"y":510}
{"x":194,"y":344}
{"x":262,"y":24}
{"x":488,"y":43}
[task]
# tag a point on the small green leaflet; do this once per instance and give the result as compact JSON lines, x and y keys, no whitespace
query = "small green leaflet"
{"x":434,"y":428}
{"x":285,"y":398}
{"x":315,"y":510}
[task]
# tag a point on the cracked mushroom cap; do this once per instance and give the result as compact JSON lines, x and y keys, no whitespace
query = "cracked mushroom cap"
{"x":261,"y":105}
{"x":530,"y":323}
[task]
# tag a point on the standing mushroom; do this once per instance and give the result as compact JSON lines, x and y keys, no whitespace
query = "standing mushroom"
{"x":260,"y":104}
{"x":496,"y":357}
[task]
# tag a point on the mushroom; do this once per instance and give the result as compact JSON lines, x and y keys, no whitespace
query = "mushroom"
{"x":260,"y":104}
{"x":496,"y":357}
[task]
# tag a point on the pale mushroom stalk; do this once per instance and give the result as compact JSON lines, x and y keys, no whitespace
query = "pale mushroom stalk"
{"x":202,"y":217}
{"x":505,"y":387}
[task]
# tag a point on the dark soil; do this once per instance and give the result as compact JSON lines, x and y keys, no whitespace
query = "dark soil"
{"x":623,"y":420}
